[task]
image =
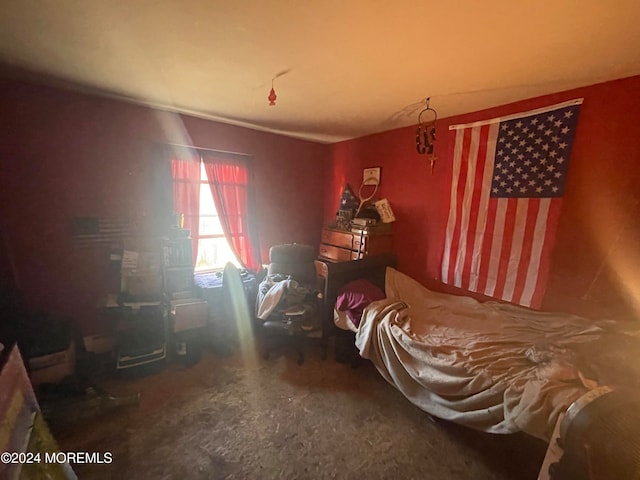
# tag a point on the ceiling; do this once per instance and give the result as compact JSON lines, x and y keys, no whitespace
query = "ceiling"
{"x":342,"y":68}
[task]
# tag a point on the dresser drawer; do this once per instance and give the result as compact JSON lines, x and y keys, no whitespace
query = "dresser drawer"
{"x":373,"y":244}
{"x":337,"y":254}
{"x":339,"y":239}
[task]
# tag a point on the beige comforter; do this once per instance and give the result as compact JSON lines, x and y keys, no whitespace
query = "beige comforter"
{"x":489,"y":366}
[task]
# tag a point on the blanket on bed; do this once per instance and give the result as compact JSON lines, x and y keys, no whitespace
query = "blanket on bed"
{"x":490,"y":366}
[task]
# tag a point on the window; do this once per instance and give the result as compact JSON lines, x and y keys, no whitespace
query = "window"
{"x":214,"y":223}
{"x":213,"y":249}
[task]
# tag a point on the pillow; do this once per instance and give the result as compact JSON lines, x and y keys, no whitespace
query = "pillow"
{"x":355,"y":296}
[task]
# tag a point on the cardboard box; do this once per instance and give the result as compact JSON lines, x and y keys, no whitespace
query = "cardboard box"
{"x":188,"y":314}
{"x":54,"y":367}
{"x":100,"y":343}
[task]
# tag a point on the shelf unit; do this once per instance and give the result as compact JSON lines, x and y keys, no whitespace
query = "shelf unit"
{"x":177,"y":265}
{"x":187,"y":313}
{"x":141,"y":335}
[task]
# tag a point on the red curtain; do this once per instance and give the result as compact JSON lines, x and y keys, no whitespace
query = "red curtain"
{"x":229,"y":180}
{"x":185,"y":169}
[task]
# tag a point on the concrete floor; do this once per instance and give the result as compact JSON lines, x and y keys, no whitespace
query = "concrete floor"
{"x":243,"y":417}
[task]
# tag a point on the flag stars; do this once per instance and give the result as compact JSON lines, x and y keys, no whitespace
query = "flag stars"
{"x":529,"y":159}
{"x":568,"y":114}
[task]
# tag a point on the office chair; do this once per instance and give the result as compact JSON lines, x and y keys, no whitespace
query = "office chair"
{"x":289,"y":305}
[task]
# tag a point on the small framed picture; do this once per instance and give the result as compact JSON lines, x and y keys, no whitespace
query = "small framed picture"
{"x":371,"y":176}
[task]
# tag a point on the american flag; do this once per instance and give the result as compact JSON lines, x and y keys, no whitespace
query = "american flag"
{"x":508,"y":181}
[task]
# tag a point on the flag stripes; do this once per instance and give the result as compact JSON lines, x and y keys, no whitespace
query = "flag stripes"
{"x":507,"y":185}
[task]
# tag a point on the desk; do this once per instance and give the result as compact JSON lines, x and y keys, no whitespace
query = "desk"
{"x":222,"y":330}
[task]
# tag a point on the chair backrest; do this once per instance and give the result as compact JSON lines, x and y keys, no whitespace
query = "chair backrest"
{"x":294,"y":259}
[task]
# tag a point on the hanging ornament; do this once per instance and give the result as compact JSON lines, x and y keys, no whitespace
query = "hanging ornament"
{"x":426,"y":132}
{"x":272,"y":95}
{"x":426,"y":135}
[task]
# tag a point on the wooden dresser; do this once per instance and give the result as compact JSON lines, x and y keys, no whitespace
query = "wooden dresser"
{"x":343,"y":245}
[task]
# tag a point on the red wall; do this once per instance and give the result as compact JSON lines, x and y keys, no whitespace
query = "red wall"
{"x":595,"y":265}
{"x":65,"y":154}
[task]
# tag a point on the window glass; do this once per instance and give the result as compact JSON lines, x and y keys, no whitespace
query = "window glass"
{"x":213,"y":250}
{"x":213,"y":254}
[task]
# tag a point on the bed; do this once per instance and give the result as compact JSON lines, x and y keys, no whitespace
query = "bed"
{"x":490,"y":366}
